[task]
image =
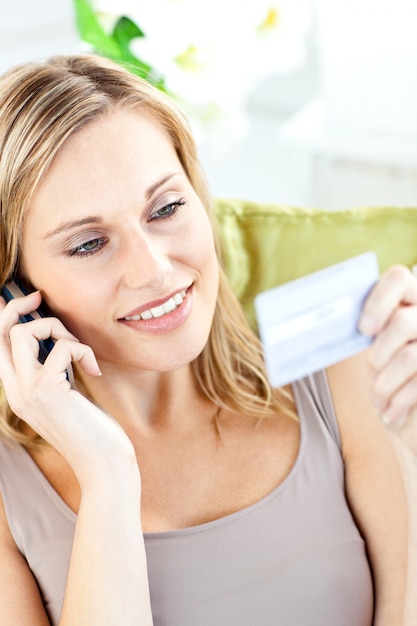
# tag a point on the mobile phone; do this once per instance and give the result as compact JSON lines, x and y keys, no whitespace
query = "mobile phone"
{"x":16,"y":289}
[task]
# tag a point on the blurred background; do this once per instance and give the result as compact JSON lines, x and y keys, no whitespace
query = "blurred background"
{"x":299,"y":102}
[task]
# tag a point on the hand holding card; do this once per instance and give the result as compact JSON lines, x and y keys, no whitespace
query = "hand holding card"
{"x":311,"y":322}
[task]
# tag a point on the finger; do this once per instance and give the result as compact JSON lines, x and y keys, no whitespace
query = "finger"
{"x":66,"y":351}
{"x":34,"y":392}
{"x":406,"y":428}
{"x":396,"y":286}
{"x":25,"y":347}
{"x":35,"y":385}
{"x":396,"y":394}
{"x":30,"y":333}
{"x":401,"y":331}
{"x":9,"y":317}
{"x":408,"y":431}
{"x":23,"y":366}
{"x":14,"y":309}
{"x":400,"y":404}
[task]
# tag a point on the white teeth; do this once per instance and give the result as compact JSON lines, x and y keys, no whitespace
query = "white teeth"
{"x":169,"y":306}
{"x":158,"y":311}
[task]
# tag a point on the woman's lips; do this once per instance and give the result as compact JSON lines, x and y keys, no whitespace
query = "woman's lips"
{"x":157,"y":311}
{"x":164,"y":317}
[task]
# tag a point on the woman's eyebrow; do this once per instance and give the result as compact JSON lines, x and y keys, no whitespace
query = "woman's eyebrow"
{"x":155,"y":186}
{"x":96,"y":219}
{"x":93,"y":219}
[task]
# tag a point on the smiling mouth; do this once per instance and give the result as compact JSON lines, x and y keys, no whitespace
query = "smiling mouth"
{"x":158,"y":311}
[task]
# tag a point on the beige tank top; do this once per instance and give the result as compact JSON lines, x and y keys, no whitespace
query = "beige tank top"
{"x":295,"y":558}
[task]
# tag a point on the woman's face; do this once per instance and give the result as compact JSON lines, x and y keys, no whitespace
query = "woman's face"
{"x":121,"y":247}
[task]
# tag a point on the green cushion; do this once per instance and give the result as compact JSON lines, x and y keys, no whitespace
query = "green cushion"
{"x":264,"y":245}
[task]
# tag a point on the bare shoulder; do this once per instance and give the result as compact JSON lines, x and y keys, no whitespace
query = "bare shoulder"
{"x":366,"y":442}
{"x":20,"y":601}
{"x":350,"y":384}
{"x":361,"y":429}
{"x":375,"y":485}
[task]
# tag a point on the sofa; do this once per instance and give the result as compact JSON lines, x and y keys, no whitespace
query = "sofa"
{"x":264,"y":245}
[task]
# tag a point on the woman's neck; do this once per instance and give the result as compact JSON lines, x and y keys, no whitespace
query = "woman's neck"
{"x":143,"y":399}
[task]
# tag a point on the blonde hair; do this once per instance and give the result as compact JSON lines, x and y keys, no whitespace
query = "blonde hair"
{"x":41,"y":105}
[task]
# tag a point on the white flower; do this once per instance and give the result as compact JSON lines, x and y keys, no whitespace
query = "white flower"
{"x":213,"y":53}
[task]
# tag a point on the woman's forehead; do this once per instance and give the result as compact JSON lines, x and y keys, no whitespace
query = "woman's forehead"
{"x":113,"y":161}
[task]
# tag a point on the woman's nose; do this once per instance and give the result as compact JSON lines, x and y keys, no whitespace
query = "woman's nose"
{"x":147,"y":260}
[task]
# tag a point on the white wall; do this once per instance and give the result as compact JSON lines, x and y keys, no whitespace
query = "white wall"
{"x":290,"y":155}
{"x":32,"y":29}
{"x":255,"y":168}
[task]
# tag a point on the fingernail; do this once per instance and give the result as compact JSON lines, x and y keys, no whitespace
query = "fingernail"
{"x":386,"y":417}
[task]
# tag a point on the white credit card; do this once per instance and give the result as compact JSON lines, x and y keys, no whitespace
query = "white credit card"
{"x":311,"y":322}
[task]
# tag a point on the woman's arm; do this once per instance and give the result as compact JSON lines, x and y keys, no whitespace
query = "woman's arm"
{"x":390,"y":315}
{"x":407,"y":462}
{"x":20,"y":600}
{"x":107,"y":583}
{"x":375,"y":486}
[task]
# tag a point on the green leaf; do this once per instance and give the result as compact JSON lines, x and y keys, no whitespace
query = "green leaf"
{"x":123,"y":33}
{"x":115,"y":46}
{"x":126,"y":30}
{"x":92,"y":32}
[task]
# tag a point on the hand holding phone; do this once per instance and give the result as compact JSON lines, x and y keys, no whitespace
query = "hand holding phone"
{"x":70,"y":422}
{"x":15,"y":289}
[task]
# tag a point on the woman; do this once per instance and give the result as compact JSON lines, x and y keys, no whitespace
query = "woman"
{"x":153,"y":492}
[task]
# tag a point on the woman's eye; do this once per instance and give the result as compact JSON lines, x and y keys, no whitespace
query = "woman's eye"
{"x":89,"y":247}
{"x":168,"y":210}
